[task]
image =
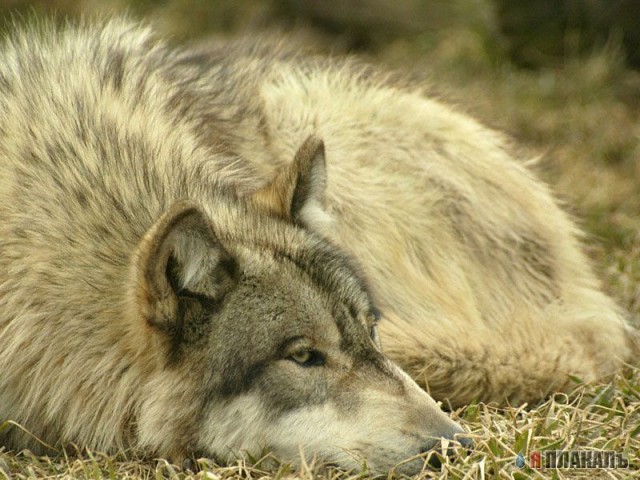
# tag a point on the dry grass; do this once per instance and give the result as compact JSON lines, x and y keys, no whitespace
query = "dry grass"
{"x":601,"y":417}
{"x":583,"y":117}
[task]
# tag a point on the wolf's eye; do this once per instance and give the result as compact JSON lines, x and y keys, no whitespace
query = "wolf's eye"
{"x":375,"y":338}
{"x":373,"y":333}
{"x":308,"y":358}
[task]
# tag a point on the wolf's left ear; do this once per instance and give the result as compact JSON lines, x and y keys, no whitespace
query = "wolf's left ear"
{"x":298,"y":193}
{"x":181,"y":271}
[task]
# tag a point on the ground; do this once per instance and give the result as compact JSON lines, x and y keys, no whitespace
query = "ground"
{"x":579,"y":114}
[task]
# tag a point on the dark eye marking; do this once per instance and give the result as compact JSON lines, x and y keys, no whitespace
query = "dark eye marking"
{"x":298,"y":349}
{"x":308,"y":358}
{"x":373,"y":332}
{"x":374,"y":317}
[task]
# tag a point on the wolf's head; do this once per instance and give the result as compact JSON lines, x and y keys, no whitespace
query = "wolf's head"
{"x":264,"y":336}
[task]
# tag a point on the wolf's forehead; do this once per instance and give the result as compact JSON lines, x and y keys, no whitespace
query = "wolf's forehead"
{"x":318,"y":262}
{"x":334,"y":273}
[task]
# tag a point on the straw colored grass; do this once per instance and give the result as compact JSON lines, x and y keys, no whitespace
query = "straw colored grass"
{"x":596,"y":417}
{"x":582,"y":118}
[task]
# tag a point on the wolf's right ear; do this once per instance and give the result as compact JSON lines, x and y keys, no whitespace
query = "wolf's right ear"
{"x":181,"y":270}
{"x":298,"y":192}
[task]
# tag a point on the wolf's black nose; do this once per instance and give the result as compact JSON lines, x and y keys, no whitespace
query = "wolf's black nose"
{"x":465,"y":442}
{"x":435,"y":460}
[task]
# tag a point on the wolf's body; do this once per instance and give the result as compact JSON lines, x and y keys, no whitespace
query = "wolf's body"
{"x":165,"y":282}
{"x":485,"y":290}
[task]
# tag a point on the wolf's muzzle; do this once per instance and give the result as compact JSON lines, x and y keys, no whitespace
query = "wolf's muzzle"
{"x":435,"y":460}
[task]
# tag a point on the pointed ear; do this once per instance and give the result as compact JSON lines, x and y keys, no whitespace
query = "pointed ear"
{"x":298,"y":191}
{"x":181,"y":270}
{"x":311,"y":182}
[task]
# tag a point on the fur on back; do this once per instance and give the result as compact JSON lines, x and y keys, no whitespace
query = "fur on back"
{"x":485,"y":288}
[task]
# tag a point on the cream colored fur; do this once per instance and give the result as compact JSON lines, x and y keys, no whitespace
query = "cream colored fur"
{"x":481,"y":277}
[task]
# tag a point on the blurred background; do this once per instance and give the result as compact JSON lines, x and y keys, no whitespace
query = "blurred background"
{"x":560,"y":77}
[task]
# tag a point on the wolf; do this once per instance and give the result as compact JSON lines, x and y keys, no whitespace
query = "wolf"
{"x":147,"y":305}
{"x":199,"y":245}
